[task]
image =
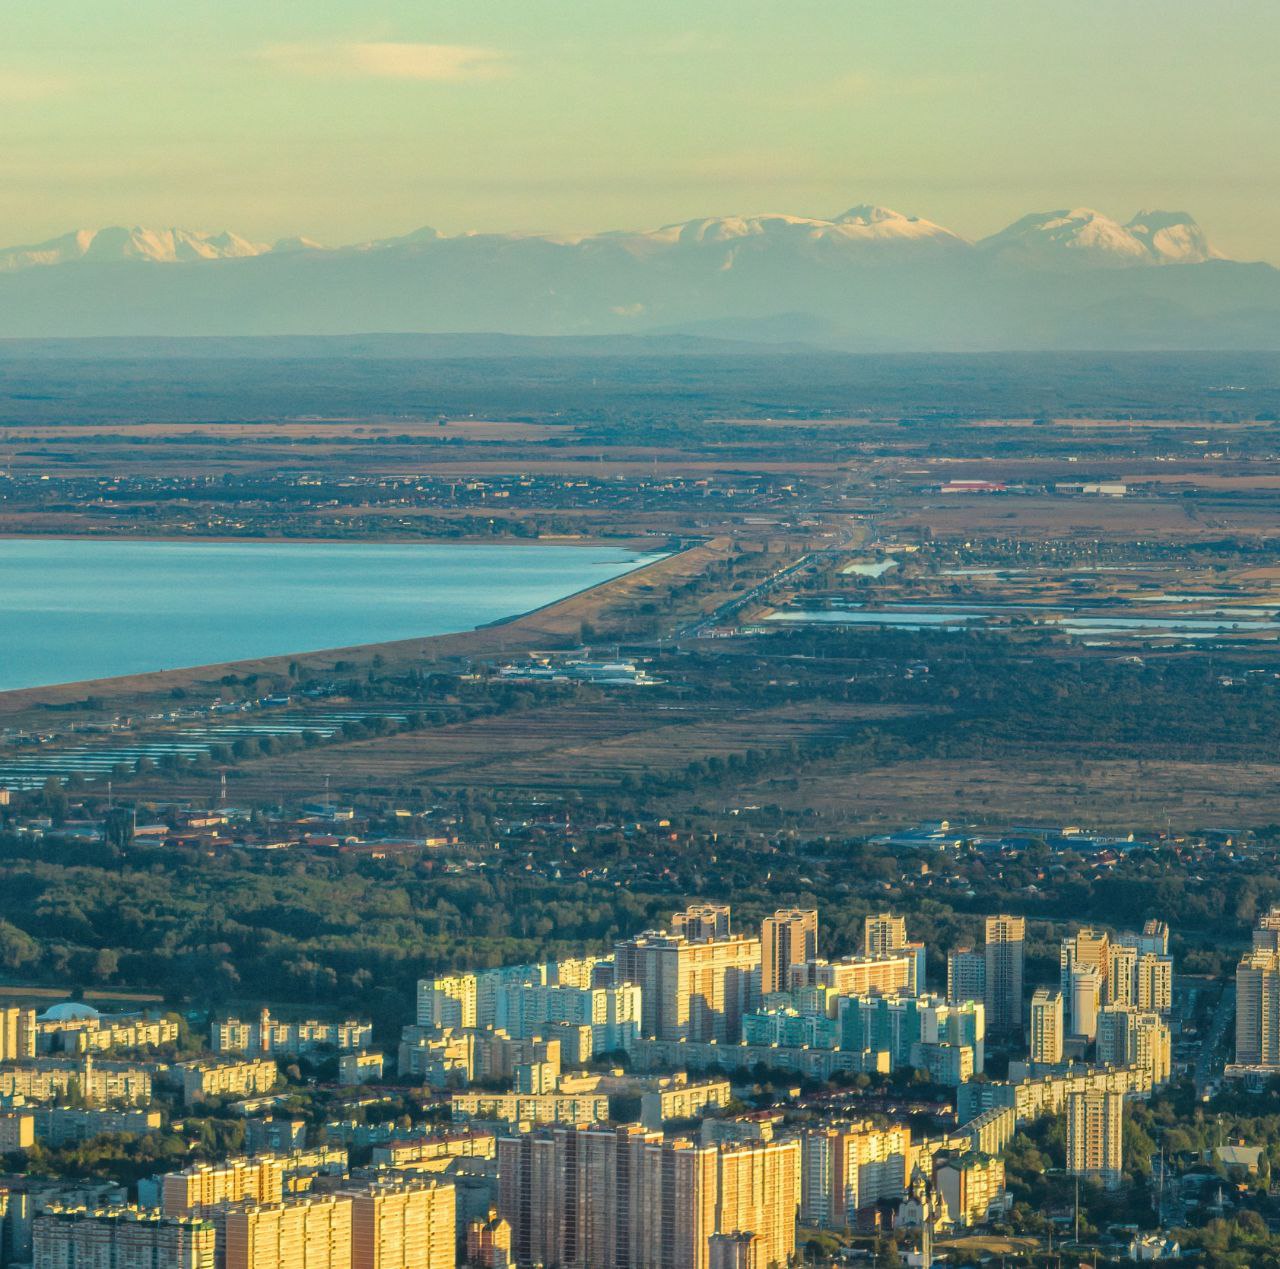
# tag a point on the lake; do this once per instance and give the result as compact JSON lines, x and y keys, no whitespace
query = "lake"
{"x":88,"y":609}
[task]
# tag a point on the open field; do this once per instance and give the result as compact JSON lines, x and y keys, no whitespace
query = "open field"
{"x":1027,"y":788}
{"x":573,"y":748}
{"x":769,"y":499}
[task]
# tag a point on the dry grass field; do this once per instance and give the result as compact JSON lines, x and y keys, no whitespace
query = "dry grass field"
{"x":1027,"y":787}
{"x":555,"y":749}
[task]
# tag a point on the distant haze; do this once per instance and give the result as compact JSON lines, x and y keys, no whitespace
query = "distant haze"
{"x":870,"y":278}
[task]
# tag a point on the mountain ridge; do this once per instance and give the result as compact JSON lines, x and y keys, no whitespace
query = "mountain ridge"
{"x":869,"y":279}
{"x":1150,"y":237}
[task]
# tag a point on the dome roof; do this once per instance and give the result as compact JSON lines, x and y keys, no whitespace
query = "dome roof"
{"x":69,"y":1011}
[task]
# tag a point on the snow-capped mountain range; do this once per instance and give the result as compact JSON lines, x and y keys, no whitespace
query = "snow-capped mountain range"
{"x":870,"y":278}
{"x":162,"y":246}
{"x":1079,"y":235}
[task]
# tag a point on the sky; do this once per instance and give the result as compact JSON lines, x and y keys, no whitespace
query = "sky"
{"x":344,"y":120}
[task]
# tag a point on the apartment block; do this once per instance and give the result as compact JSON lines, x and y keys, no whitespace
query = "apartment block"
{"x":403,"y":1225}
{"x":791,"y":1029}
{"x":788,"y":937}
{"x":267,"y":1035}
{"x":1004,"y":950}
{"x":972,"y":1186}
{"x":820,"y":1064}
{"x":538,"y":1108}
{"x":613,"y":1013}
{"x":62,"y":1125}
{"x":678,"y":1099}
{"x":915,"y":1029}
{"x":989,"y":1132}
{"x":1095,"y":1128}
{"x":697,"y":990}
{"x":226,"y":1078}
{"x":626,"y":1199}
{"x":207,"y":1185}
{"x":17,"y":1131}
{"x":1129,"y":1036}
{"x":847,"y":1167}
{"x":896,"y":973}
{"x":1153,"y":983}
{"x":1089,"y":948}
{"x":359,"y":1068}
{"x":738,"y":1251}
{"x":1087,"y":986}
{"x":702,"y":921}
{"x":1048,"y":1095}
{"x":447,"y":1001}
{"x":270,"y":1135}
{"x":308,"y":1232}
{"x":120,"y":1238}
{"x":448,"y":1059}
{"x":1046,"y":1026}
{"x":17,"y":1033}
{"x":1122,"y":974}
{"x":1258,"y":1009}
{"x":966,"y":975}
{"x":98,"y":1083}
{"x":489,"y":1242}
{"x":444,"y":1146}
{"x":883,"y":933}
{"x":92,"y":1033}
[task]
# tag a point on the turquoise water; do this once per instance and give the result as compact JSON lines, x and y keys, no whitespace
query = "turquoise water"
{"x":73,"y":610}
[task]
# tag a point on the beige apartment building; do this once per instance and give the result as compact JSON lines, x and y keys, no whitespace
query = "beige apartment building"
{"x":206,"y":1185}
{"x":691,"y":990}
{"x":972,"y":1185}
{"x":403,"y":1226}
{"x":989,"y":1132}
{"x":226,"y":1078}
{"x":626,"y":1199}
{"x":678,"y":1099}
{"x":267,"y":1035}
{"x":120,"y":1238}
{"x":1153,"y":983}
{"x":1135,"y":1037}
{"x":1046,"y":1026}
{"x":851,"y":1166}
{"x":1088,"y":948}
{"x":788,"y":937}
{"x":308,"y":1232}
{"x":1095,"y":1133}
{"x":17,"y":1033}
{"x":489,"y":1242}
{"x":888,"y":975}
{"x":883,"y":933}
{"x":447,"y":1001}
{"x":532,"y":1108}
{"x":702,"y":921}
{"x":1258,"y":1007}
{"x":98,"y":1083}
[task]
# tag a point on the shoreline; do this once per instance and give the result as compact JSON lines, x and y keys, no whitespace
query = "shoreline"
{"x":640,"y":543}
{"x":553,"y":625}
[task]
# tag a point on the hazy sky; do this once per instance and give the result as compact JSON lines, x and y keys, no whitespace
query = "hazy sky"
{"x":349,"y":119}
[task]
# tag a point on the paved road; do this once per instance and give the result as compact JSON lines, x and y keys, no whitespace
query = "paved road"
{"x":859,"y":536}
{"x":1210,"y":1061}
